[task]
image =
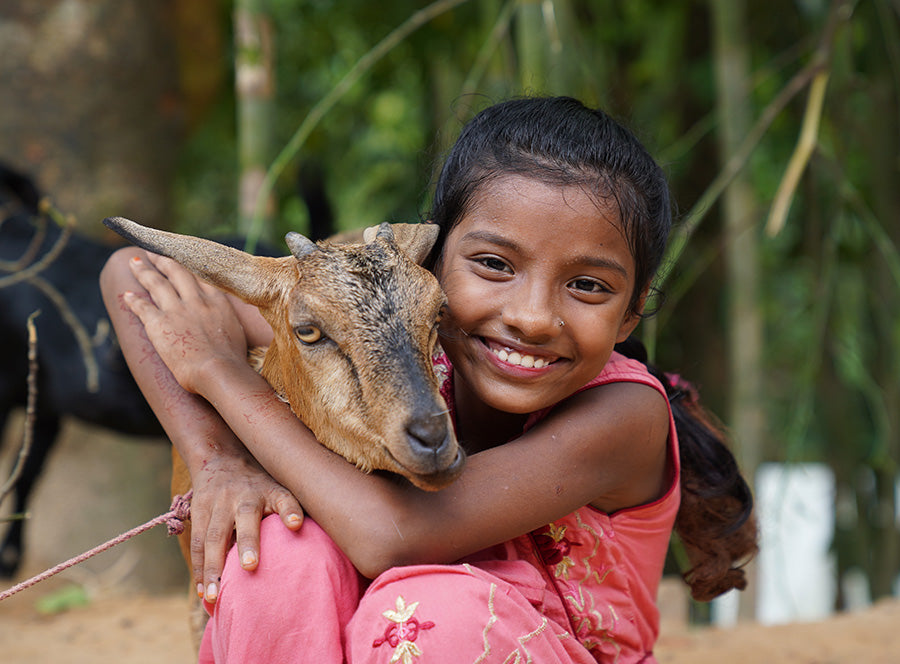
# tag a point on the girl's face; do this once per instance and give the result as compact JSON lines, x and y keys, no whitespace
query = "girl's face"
{"x":538,"y":281}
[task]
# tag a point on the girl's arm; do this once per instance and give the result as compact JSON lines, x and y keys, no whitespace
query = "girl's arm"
{"x":605,"y":446}
{"x":231,"y":490}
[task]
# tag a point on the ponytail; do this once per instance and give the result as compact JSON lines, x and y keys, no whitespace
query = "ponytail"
{"x":715,"y":521}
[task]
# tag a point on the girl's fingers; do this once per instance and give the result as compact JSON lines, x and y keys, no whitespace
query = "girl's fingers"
{"x":217,"y":543}
{"x":140,"y":306}
{"x":182,"y":281}
{"x":246,"y":526}
{"x":288,"y":508}
{"x":199,"y":520}
{"x":157,"y":285}
{"x":188,"y":286}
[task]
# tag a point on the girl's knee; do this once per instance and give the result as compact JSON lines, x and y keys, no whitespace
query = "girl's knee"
{"x":303,"y":592}
{"x":115,"y":273}
{"x":302,"y":552}
{"x":449,"y":614}
{"x":291,"y":563}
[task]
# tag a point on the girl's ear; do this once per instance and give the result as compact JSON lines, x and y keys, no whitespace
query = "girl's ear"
{"x":632,"y":318}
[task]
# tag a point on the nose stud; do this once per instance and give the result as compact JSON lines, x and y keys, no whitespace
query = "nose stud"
{"x":561,"y":323}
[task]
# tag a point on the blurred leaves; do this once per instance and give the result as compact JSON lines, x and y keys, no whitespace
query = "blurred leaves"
{"x":830,"y":277}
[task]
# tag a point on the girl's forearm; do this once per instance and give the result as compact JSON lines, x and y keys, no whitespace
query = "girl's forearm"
{"x":196,"y":430}
{"x":367,"y":515}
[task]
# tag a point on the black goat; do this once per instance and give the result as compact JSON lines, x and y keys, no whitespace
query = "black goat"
{"x":114,"y":400}
{"x":108,"y":397}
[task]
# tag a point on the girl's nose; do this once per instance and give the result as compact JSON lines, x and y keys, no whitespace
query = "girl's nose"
{"x":530,"y":312}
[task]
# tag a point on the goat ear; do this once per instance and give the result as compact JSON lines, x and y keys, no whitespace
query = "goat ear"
{"x":414,"y":240}
{"x":254,"y":279}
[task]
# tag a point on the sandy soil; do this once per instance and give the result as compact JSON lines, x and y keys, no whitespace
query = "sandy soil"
{"x":154,"y":629}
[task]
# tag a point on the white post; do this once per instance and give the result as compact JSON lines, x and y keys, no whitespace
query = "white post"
{"x":795,"y":506}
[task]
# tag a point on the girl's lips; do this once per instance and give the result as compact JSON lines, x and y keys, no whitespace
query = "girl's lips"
{"x":518,"y":357}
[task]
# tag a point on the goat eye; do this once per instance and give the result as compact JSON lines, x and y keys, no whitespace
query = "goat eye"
{"x":308,"y":334}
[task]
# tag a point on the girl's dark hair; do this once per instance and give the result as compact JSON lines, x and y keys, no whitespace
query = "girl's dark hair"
{"x":558,"y":140}
{"x":715,"y":521}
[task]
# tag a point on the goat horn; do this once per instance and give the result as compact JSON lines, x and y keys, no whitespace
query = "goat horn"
{"x":299,"y":245}
{"x":386,"y":232}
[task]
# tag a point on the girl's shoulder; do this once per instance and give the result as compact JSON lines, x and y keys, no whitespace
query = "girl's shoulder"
{"x":621,"y":369}
{"x":618,"y":369}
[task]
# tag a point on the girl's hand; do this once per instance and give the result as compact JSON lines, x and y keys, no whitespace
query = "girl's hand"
{"x":232,"y":493}
{"x":188,"y":321}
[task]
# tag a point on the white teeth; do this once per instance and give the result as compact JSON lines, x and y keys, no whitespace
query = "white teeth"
{"x":520,"y":360}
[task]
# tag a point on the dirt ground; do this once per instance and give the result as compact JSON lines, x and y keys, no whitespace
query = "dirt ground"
{"x":138,"y":611}
{"x":134,"y":630}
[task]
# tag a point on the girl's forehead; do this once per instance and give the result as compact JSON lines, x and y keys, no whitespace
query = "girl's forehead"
{"x":517,"y":202}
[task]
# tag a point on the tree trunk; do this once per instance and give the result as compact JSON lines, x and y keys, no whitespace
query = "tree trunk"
{"x":884,"y":144}
{"x":90,"y":105}
{"x":739,"y":213}
{"x":254,"y":94}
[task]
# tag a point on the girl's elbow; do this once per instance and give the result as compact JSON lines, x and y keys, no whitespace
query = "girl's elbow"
{"x":381,"y":554}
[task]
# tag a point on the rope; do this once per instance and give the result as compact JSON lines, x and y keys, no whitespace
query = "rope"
{"x":174,"y":520}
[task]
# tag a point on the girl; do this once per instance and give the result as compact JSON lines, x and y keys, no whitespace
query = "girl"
{"x":550,"y":546}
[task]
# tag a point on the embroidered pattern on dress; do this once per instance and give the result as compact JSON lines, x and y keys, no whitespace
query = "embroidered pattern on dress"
{"x":403,"y":632}
{"x":555,"y":549}
{"x":594,"y":625}
{"x":440,"y":365}
{"x":488,"y":625}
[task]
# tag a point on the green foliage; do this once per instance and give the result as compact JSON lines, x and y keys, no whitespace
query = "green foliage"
{"x":64,"y":599}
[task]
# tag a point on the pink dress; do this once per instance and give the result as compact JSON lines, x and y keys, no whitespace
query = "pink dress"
{"x":581,"y":589}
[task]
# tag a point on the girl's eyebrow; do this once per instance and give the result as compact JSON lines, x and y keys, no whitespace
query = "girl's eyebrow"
{"x":592,"y":261}
{"x":601,"y":262}
{"x":493,"y":238}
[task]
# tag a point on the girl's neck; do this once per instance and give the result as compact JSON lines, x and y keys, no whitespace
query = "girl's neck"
{"x":479,"y":426}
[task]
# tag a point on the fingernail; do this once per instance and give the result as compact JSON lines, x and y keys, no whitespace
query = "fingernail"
{"x":135,"y":259}
{"x":294,"y":520}
{"x":211,"y":592}
{"x":200,"y":590}
{"x":248,"y":559}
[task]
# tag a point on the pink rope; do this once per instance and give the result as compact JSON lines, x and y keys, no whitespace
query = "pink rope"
{"x":174,"y":520}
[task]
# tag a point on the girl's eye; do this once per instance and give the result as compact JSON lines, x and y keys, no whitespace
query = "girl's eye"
{"x":493,"y":263}
{"x":588,"y":286}
{"x":308,"y":334}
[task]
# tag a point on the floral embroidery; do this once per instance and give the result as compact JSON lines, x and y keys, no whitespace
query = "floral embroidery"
{"x":555,"y":549}
{"x":403,"y":632}
{"x":441,"y":366}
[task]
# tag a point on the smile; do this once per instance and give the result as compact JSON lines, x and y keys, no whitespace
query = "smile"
{"x":519,"y":359}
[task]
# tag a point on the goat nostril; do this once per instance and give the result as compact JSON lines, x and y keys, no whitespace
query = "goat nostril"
{"x":428,"y":434}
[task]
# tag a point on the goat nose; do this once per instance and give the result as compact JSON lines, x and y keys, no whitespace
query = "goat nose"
{"x":428,"y":434}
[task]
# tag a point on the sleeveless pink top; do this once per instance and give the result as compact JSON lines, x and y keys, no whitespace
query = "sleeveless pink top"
{"x":601,"y":572}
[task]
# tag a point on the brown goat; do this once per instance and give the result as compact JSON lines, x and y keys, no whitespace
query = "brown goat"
{"x":355,"y":325}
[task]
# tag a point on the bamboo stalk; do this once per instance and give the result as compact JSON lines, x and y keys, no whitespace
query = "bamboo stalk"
{"x":806,"y":143}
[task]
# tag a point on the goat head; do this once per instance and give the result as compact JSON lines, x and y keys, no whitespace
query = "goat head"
{"x":355,"y":326}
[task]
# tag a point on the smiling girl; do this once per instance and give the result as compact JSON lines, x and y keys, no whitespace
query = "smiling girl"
{"x":551,"y":544}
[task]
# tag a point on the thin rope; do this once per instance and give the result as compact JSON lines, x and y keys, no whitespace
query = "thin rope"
{"x":174,"y":520}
